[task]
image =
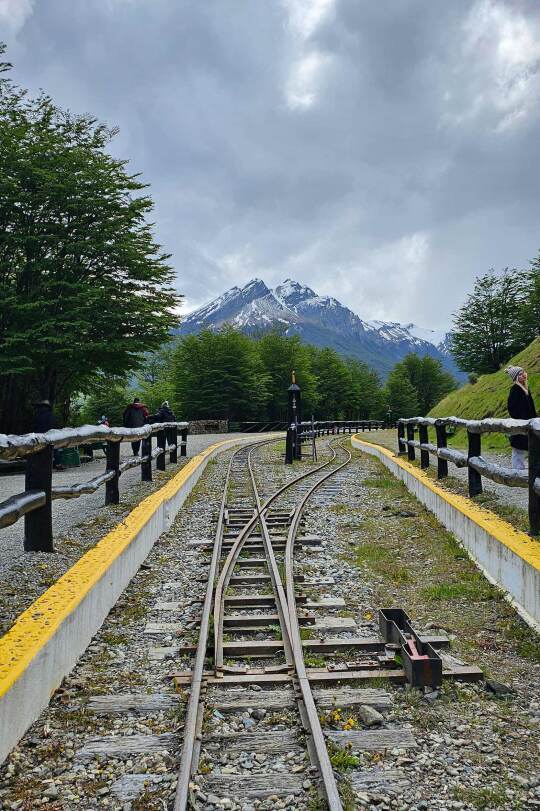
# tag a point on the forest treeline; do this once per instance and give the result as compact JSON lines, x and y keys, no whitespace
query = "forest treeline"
{"x":230,"y":375}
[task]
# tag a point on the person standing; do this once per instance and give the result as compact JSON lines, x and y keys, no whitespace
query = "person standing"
{"x":135,"y":416}
{"x":165,"y":414}
{"x":520,"y":407}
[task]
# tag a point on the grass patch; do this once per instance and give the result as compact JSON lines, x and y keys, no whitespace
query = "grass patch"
{"x":524,"y":639}
{"x":382,"y":561}
{"x":342,"y":759}
{"x":381,"y":481}
{"x":475,"y":588}
{"x":482,"y":797}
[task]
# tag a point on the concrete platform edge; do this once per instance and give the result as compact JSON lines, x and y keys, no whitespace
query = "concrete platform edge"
{"x":32,"y":689}
{"x":500,"y":562}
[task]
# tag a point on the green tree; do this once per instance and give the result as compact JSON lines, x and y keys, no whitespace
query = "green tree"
{"x":365,"y":400}
{"x":280,"y":355}
{"x":430,"y":381}
{"x":401,"y":395}
{"x":334,"y":383}
{"x":84,"y":288}
{"x":108,"y":398}
{"x":486,"y":331}
{"x":220,"y":375}
{"x":529,"y":320}
{"x":155,"y":380}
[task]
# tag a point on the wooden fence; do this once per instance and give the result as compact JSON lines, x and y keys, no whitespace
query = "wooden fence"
{"x":477,"y":466}
{"x":35,"y":504}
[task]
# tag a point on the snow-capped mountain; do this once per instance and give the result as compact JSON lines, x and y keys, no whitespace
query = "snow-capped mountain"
{"x":320,"y":320}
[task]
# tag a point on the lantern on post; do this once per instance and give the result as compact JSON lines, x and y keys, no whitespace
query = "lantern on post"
{"x":294,"y":414}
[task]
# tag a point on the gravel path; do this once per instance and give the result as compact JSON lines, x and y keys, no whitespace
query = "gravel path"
{"x":77,"y":523}
{"x":473,"y":750}
{"x":512,"y":496}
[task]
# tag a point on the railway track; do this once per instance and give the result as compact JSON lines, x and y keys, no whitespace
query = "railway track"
{"x":283,"y":692}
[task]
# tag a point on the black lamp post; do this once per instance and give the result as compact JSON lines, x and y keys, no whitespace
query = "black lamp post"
{"x":294,"y":418}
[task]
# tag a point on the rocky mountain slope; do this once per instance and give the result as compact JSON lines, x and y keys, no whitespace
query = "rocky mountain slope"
{"x":319,"y":320}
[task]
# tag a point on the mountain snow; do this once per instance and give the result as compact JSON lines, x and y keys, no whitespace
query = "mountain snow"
{"x":320,"y":320}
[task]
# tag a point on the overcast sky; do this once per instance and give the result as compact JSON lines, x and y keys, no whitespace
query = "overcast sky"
{"x":382,"y":152}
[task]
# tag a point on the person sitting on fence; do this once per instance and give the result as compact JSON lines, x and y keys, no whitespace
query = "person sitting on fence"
{"x":520,"y":407}
{"x":44,"y":421}
{"x":135,"y":416}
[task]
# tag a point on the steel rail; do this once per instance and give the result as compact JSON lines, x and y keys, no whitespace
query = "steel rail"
{"x":314,"y":726}
{"x":192,"y":711}
{"x":228,"y":566}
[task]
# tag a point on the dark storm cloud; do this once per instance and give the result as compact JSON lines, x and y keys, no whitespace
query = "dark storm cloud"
{"x":382,"y":152}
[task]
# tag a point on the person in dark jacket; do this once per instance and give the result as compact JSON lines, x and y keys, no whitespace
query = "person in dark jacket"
{"x":135,"y":416}
{"x":520,"y":407}
{"x":165,"y":414}
{"x":44,"y":421}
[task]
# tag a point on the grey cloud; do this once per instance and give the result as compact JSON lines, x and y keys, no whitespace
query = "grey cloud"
{"x":408,"y":174}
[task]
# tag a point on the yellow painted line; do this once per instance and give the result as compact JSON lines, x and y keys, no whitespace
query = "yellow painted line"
{"x":514,"y":539}
{"x":35,"y":626}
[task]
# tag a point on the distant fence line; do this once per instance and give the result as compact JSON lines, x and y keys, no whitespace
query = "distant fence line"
{"x":477,"y":466}
{"x":35,"y":504}
{"x":262,"y":426}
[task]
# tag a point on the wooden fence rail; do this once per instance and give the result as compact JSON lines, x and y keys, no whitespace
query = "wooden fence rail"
{"x":35,"y":504}
{"x":477,"y":466}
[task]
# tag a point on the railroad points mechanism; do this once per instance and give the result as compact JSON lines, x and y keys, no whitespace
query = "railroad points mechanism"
{"x":248,"y":664}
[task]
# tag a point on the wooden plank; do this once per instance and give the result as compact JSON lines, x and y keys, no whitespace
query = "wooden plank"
{"x":125,"y":702}
{"x":129,"y":786}
{"x":253,"y":786}
{"x":326,"y":602}
{"x":280,"y":699}
{"x":326,"y":624}
{"x":373,"y":740}
{"x":163,"y":628}
{"x":260,"y":620}
{"x":317,"y":676}
{"x":162,"y":606}
{"x":383,"y":781}
{"x":127,"y":745}
{"x":268,"y":742}
{"x":156,"y":654}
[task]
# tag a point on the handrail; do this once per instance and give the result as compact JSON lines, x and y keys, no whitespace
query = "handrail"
{"x":35,"y":504}
{"x":477,"y":466}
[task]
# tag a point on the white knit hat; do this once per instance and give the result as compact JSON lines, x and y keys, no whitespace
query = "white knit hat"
{"x":514,"y":372}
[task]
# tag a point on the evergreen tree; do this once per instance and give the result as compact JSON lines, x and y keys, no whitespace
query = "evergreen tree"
{"x":486,"y":331}
{"x":401,"y":395}
{"x":428,"y":378}
{"x":281,"y":355}
{"x":84,"y":288}
{"x":334,"y":383}
{"x":529,"y":319}
{"x":365,"y":400}
{"x":219,"y":375}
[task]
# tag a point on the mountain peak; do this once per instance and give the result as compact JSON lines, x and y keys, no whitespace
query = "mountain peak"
{"x":296,"y":309}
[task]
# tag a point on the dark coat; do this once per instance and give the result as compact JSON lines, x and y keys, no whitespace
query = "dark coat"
{"x":43,"y":418}
{"x":520,"y":407}
{"x":165,"y":414}
{"x":135,"y":415}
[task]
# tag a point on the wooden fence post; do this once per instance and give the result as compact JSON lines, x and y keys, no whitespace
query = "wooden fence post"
{"x":173,"y":439}
{"x":183,"y":449}
{"x":402,"y":448}
{"x":38,"y":535}
{"x":423,"y":437}
{"x":411,"y":456}
{"x":442,"y":442}
{"x":534,"y":474}
{"x":161,"y":443}
{"x":474,"y":449}
{"x":146,"y":467}
{"x":112,"y":493}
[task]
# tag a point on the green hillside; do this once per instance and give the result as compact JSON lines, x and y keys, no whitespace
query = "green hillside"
{"x":487,"y":397}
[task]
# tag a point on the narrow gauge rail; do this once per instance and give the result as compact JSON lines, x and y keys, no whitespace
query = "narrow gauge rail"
{"x":259,"y":517}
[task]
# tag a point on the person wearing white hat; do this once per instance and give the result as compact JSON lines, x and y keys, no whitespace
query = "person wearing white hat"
{"x":520,"y":407}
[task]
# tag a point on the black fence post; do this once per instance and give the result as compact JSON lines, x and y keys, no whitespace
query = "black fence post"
{"x":474,"y":449}
{"x":442,"y":442}
{"x":423,"y":437}
{"x":112,"y":493}
{"x":146,"y":452}
{"x":38,"y":535}
{"x":161,"y":443}
{"x":534,"y":475}
{"x":173,"y":439}
{"x":183,"y":449}
{"x":411,"y":456}
{"x":289,"y":446}
{"x":402,"y":448}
